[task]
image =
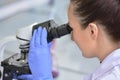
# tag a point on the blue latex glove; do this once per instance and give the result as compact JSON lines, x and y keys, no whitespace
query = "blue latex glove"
{"x":39,"y":57}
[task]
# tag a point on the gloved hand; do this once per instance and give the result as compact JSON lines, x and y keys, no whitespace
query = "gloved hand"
{"x":39,"y":57}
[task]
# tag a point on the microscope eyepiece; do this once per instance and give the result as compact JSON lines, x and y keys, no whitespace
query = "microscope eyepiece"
{"x":54,"y":31}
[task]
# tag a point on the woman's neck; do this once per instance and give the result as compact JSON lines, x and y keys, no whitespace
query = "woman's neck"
{"x":106,"y":49}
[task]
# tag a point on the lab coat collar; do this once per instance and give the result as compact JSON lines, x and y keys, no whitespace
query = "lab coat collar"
{"x":108,"y":63}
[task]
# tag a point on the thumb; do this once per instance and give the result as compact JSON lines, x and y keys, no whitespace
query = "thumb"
{"x":25,"y":77}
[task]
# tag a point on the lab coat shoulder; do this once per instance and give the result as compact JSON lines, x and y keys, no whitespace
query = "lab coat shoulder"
{"x":113,"y":74}
{"x":109,"y":68}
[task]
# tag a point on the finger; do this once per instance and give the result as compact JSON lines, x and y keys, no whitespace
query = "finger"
{"x":50,"y":44}
{"x":32,"y":43}
{"x":44,"y":37}
{"x":38,"y":36}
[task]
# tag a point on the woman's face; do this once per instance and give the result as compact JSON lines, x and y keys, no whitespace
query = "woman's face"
{"x":81,"y":36}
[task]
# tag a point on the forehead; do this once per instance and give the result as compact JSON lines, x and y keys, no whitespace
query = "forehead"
{"x":71,"y":7}
{"x":70,"y":10}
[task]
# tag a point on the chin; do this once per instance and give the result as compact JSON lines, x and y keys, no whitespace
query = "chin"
{"x":88,"y":55}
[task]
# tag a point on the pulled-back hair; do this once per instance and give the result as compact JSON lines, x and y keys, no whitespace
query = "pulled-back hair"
{"x":105,"y":12}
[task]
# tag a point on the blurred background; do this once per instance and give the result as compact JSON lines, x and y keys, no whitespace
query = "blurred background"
{"x":68,"y":60}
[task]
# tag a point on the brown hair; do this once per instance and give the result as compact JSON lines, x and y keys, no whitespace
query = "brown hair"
{"x":106,"y":12}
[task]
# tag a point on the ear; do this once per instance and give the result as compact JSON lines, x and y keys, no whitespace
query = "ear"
{"x":93,"y":30}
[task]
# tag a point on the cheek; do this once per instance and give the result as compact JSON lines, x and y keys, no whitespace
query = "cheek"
{"x":77,"y":38}
{"x":83,"y":42}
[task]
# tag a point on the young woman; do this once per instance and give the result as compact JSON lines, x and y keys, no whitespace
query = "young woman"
{"x":96,"y":31}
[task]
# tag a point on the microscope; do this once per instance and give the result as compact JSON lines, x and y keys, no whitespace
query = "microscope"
{"x":17,"y":64}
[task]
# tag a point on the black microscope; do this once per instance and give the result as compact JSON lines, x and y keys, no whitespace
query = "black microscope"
{"x":18,"y":64}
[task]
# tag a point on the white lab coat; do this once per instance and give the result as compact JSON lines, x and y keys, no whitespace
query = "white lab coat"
{"x":109,"y":68}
